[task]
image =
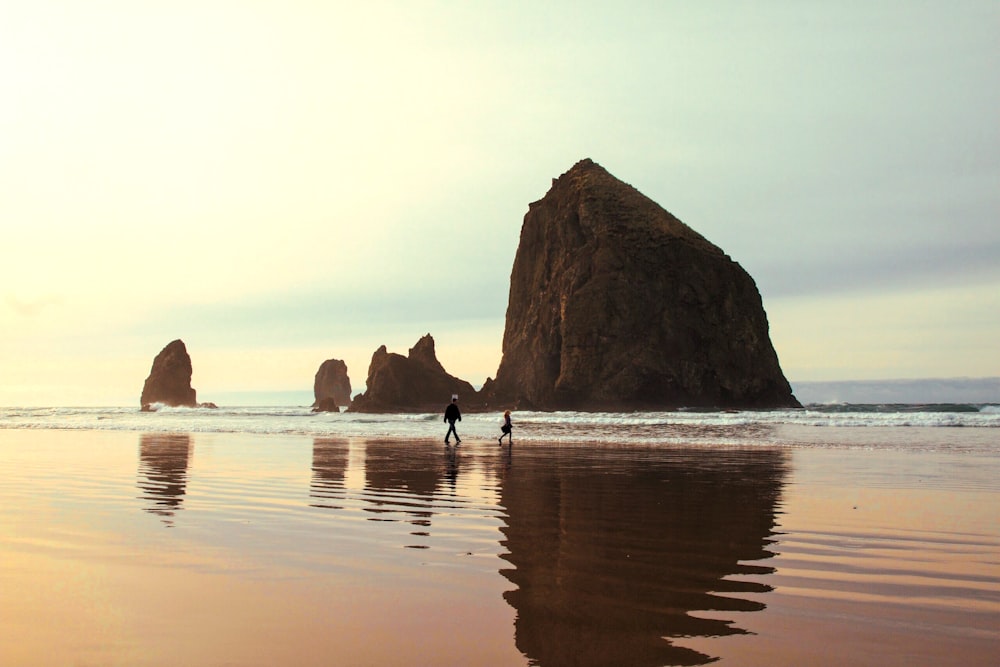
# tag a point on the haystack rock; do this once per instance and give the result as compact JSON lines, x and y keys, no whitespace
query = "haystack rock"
{"x":169,"y":380}
{"x":332,"y":386}
{"x":414,"y":383}
{"x":615,"y":304}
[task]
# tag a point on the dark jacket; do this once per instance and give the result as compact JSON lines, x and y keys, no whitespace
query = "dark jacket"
{"x":452,"y":413}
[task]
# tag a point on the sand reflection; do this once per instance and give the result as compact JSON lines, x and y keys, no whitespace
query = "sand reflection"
{"x":614,"y":555}
{"x":163,"y":467}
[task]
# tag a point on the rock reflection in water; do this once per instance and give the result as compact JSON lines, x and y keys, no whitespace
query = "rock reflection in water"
{"x":612,"y":552}
{"x":409,"y":469}
{"x":329,"y":469}
{"x":163,"y":466}
{"x":406,"y":479}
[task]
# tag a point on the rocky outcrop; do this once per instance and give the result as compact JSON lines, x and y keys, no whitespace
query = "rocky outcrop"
{"x":616,"y":304}
{"x":414,"y":383}
{"x":328,"y":404}
{"x":169,"y":381}
{"x":332,"y":386}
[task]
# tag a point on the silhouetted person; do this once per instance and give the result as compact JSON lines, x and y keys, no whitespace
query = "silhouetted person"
{"x":451,"y":415}
{"x":507,"y":429}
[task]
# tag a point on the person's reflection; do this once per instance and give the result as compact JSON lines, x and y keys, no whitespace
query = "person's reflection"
{"x":451,"y":468}
{"x":329,"y":469}
{"x":613,"y":554}
{"x":163,"y":465}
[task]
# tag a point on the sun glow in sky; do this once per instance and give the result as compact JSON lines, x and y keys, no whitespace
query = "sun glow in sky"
{"x":278,"y":183}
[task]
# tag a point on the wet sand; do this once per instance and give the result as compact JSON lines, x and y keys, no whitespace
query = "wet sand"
{"x":121,"y":548}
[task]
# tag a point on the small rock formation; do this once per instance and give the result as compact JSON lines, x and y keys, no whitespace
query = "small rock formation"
{"x":169,"y":380}
{"x":616,"y":304}
{"x":332,"y":387}
{"x":327,"y":404}
{"x":414,"y":383}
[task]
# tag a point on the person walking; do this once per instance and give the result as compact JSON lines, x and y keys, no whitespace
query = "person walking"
{"x":507,"y":428}
{"x":451,"y":415}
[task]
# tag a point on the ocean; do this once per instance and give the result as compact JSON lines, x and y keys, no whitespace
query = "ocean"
{"x":257,"y":536}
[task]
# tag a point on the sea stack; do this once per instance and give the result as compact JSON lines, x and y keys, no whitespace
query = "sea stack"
{"x":615,"y":304}
{"x":414,"y":383}
{"x":331,"y":387}
{"x":169,"y":380}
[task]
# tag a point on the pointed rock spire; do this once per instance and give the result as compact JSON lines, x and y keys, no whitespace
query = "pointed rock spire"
{"x":616,"y":304}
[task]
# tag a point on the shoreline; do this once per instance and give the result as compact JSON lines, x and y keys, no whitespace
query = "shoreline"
{"x":837,"y":426}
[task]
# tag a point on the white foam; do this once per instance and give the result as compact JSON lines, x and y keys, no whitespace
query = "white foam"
{"x":740,"y":428}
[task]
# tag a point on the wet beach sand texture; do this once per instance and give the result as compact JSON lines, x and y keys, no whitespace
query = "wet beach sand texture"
{"x":126,"y":548}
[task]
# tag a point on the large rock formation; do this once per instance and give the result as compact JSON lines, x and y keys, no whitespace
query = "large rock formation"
{"x":169,"y":380}
{"x":332,"y":387}
{"x":616,"y":304}
{"x":414,"y":383}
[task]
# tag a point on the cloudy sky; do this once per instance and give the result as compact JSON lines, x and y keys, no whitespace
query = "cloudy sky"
{"x":278,"y":183}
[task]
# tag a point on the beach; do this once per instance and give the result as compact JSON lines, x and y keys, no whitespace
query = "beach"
{"x":744,"y":544}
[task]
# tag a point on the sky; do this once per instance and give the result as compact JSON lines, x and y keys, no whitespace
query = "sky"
{"x":280,"y":183}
